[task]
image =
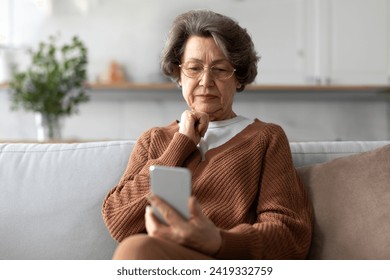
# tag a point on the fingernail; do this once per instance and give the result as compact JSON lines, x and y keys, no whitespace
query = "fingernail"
{"x":148,"y":208}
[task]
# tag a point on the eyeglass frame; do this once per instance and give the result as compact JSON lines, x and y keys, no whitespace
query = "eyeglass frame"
{"x":203,"y":71}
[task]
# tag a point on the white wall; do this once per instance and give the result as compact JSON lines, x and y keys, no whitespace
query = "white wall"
{"x":133,"y":33}
{"x":307,"y":116}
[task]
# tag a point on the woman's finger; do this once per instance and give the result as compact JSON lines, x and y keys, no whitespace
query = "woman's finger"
{"x":203,"y":124}
{"x":169,"y":214}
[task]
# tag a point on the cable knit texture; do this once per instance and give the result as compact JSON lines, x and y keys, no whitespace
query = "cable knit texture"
{"x":248,"y":187}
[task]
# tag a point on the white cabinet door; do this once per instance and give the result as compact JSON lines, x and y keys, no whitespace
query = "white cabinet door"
{"x":279,"y":36}
{"x":359,"y":42}
{"x":340,"y":42}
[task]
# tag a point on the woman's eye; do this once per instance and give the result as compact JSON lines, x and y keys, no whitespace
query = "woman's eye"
{"x":195,"y":68}
{"x":218,"y":69}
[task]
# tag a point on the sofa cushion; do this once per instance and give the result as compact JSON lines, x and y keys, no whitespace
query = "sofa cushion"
{"x":351,"y":197}
{"x":307,"y":153}
{"x":51,"y":197}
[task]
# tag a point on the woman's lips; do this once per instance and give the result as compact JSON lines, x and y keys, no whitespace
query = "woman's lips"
{"x":206,"y":96}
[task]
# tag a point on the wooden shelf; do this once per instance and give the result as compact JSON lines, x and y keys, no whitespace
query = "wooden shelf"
{"x":253,"y":87}
{"x":318,"y":88}
{"x":132,"y":86}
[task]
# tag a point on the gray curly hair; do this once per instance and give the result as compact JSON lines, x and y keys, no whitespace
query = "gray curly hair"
{"x":233,"y":40}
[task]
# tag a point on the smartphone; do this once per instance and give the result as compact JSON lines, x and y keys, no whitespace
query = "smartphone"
{"x":173,"y":184}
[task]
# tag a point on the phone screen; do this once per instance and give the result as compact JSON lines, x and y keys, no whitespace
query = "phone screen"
{"x":173,"y":184}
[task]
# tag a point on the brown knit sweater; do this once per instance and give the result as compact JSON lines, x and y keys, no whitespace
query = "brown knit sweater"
{"x":248,"y":187}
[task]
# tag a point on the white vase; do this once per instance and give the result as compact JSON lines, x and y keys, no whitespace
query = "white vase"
{"x":5,"y":66}
{"x":49,"y":127}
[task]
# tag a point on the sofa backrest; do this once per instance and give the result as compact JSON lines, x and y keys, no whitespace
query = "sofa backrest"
{"x":307,"y":153}
{"x":51,"y":198}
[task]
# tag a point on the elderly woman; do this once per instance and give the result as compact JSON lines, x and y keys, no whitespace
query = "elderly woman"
{"x":247,"y":200}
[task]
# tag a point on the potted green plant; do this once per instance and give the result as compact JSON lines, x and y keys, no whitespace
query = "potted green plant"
{"x":53,"y":85}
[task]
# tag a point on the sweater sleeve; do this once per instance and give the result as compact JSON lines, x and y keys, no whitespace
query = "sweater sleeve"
{"x":283,"y":226}
{"x":124,"y":206}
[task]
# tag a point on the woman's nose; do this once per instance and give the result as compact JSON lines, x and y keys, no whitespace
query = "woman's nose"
{"x":206,"y":79}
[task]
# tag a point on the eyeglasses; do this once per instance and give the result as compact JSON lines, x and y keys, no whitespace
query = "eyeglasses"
{"x":220,"y":71}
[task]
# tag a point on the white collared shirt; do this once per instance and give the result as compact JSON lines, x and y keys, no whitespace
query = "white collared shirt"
{"x":219,"y":132}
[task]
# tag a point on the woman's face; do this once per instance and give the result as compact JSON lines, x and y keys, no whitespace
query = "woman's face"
{"x":206,"y":93}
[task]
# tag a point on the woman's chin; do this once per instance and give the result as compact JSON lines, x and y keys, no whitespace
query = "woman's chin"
{"x":212,"y":111}
{"x":217,"y":116}
{"x":213,"y":116}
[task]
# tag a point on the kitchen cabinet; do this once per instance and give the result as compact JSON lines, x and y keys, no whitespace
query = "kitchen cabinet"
{"x":324,"y":42}
{"x":278,"y":31}
{"x":349,"y":42}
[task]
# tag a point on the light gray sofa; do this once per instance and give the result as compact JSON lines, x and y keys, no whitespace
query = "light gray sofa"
{"x":51,"y":197}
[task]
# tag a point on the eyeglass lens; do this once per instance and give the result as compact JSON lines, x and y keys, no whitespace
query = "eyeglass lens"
{"x":219,"y":71}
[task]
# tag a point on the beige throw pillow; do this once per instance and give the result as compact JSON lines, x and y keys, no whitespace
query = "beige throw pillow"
{"x":351,"y":198}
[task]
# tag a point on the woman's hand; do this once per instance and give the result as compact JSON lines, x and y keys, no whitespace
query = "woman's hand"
{"x":198,"y":232}
{"x":194,"y":124}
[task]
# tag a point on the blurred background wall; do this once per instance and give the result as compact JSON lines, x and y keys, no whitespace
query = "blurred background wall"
{"x":330,"y":59}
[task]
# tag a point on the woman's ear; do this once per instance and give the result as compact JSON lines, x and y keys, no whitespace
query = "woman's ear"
{"x":238,"y":84}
